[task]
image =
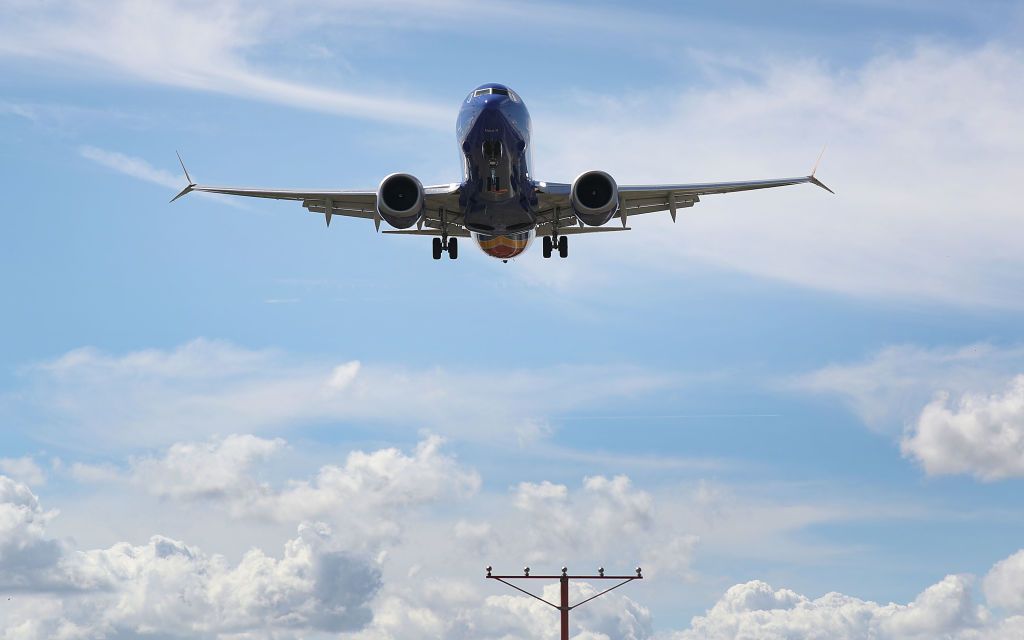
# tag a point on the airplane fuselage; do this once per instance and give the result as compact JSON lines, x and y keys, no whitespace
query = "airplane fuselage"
{"x":498,"y":195}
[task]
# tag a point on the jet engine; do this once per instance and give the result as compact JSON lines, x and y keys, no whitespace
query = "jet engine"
{"x":594,"y":197}
{"x":400,"y":200}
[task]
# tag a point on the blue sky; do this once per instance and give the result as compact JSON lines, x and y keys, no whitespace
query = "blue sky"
{"x":815,"y":392}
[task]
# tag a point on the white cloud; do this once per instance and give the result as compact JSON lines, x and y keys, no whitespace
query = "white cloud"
{"x":134,"y":167}
{"x":171,"y":589}
{"x":757,"y":610}
{"x":381,"y":481}
{"x":193,"y":45}
{"x":343,"y":375}
{"x":888,"y":389}
{"x":368,"y":497}
{"x":207,"y":387}
{"x":93,"y":473}
{"x":142,"y":170}
{"x":924,"y":152}
{"x":608,"y":513}
{"x":1004,"y":584}
{"x":215,"y":469}
{"x":24,"y":469}
{"x":456,"y":611}
{"x":982,"y":436}
{"x":27,"y":559}
{"x":909,"y":389}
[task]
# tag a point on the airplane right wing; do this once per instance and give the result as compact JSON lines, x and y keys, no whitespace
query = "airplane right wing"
{"x":349,"y":203}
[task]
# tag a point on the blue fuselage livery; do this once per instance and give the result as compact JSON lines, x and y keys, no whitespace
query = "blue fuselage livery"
{"x":498,"y":197}
{"x":499,"y":203}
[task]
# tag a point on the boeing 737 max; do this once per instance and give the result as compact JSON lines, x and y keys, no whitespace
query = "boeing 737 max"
{"x":499,"y":203}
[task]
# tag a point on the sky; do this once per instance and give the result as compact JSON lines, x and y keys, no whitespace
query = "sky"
{"x":801,"y":414}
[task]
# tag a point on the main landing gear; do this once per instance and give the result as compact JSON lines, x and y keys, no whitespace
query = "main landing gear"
{"x":444,"y":243}
{"x":561,"y":243}
{"x":451,"y":246}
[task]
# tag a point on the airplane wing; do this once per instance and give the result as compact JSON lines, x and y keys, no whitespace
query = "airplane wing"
{"x":348,"y":203}
{"x":638,"y":199}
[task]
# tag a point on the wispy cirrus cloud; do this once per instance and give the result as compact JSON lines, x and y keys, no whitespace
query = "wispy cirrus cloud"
{"x":206,"y":387}
{"x":131,"y":166}
{"x":142,"y":170}
{"x":924,"y":150}
{"x":889,"y":388}
{"x":191,"y":45}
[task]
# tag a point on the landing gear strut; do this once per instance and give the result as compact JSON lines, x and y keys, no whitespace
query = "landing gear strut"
{"x":554,"y":241}
{"x":444,"y":243}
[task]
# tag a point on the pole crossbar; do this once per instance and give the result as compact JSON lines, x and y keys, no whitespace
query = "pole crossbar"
{"x":564,"y":608}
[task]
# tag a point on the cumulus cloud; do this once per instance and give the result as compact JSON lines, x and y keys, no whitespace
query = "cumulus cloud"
{"x":205,"y":387}
{"x":606,"y":513}
{"x":380,"y":482}
{"x":983,"y":435}
{"x":368,"y":496}
{"x":218,"y":468}
{"x":171,"y":589}
{"x":1004,"y":584}
{"x":27,"y":559}
{"x":455,"y":611}
{"x":931,"y":396}
{"x":757,"y":610}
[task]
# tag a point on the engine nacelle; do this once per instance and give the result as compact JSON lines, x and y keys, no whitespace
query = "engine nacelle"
{"x":400,"y":200}
{"x":594,"y":197}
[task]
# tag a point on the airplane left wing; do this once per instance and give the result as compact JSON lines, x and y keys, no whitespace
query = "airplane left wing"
{"x":639,"y":199}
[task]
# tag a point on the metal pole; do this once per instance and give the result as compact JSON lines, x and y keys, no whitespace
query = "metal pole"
{"x":565,"y":606}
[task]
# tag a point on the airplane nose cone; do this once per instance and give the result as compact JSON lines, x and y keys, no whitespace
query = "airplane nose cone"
{"x":493,"y":102}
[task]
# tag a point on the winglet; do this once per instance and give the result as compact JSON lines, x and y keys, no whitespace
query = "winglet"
{"x":821,"y":184}
{"x":812,"y":179}
{"x":191,"y":184}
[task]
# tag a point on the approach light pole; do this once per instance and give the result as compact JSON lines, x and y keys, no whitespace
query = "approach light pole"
{"x":564,"y":608}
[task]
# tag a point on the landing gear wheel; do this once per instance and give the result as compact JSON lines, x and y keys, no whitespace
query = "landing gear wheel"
{"x":563,"y":247}
{"x":547,"y":246}
{"x":453,"y":248}
{"x":437,"y":248}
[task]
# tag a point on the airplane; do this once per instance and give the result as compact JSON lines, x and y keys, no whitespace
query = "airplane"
{"x":498,"y":203}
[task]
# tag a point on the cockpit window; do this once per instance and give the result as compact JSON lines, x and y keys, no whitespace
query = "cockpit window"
{"x":490,"y":90}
